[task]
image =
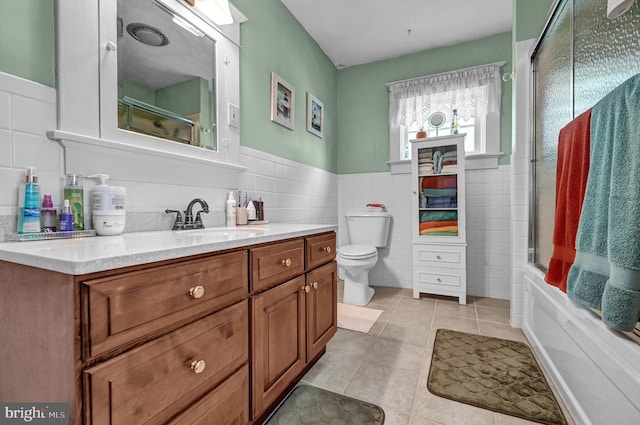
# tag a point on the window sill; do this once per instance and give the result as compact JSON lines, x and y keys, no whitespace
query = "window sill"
{"x":483,"y":161}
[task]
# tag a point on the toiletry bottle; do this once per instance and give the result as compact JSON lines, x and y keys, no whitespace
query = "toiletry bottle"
{"x":251,"y":211}
{"x":231,"y":210}
{"x":66,"y":217}
{"x":48,"y":215}
{"x":29,"y":203}
{"x":454,"y":122}
{"x":75,"y":194}
{"x":108,"y":207}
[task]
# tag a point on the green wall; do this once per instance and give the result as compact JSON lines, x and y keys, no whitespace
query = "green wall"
{"x":363,"y":109}
{"x":27,"y":42}
{"x":529,"y":16}
{"x":272,"y":40}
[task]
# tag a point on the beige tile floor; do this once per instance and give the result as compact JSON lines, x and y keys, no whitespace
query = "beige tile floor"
{"x":389,"y":365}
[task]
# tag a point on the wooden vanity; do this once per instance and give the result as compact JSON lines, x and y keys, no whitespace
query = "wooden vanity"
{"x":217,"y":337}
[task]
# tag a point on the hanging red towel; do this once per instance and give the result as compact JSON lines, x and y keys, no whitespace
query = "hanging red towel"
{"x":571,"y":181}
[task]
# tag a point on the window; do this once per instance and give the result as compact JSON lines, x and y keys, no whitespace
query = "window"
{"x":473,"y":92}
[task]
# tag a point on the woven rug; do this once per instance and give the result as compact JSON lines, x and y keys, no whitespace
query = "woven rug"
{"x":314,"y":406}
{"x":492,"y":373}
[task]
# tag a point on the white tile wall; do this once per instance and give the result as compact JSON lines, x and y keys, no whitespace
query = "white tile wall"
{"x":520,"y":176}
{"x":26,"y":110}
{"x":291,"y":192}
{"x":488,"y":227}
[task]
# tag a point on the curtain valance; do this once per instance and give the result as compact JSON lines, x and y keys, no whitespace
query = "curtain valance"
{"x":474,"y":92}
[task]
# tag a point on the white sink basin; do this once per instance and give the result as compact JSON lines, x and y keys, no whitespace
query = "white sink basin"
{"x":239,"y":230}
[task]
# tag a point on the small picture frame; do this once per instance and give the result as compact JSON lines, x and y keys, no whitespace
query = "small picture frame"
{"x":315,"y":115}
{"x":282,"y":101}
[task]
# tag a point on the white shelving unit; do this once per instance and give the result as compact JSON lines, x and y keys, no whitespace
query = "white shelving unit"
{"x":438,"y":217}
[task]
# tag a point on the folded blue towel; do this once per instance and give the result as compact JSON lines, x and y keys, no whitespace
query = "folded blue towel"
{"x":606,"y":272}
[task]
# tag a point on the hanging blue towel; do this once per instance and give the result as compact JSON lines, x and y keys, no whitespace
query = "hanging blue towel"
{"x":606,"y":271}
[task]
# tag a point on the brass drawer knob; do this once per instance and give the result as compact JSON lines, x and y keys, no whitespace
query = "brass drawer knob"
{"x":326,"y":249}
{"x":197,"y":291}
{"x":287,"y":262}
{"x":307,"y":288}
{"x":198,"y":366}
{"x":315,"y":285}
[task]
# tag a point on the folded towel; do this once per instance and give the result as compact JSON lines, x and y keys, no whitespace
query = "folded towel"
{"x":571,"y":182}
{"x":433,"y":224}
{"x":606,"y":271}
{"x":442,"y":202}
{"x":438,"y":215}
{"x":439,"y":182}
{"x":443,"y":234}
{"x":448,"y":229}
{"x":440,"y":192}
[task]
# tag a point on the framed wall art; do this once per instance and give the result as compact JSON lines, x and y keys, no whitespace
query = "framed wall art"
{"x":282,"y":101}
{"x":315,"y":115}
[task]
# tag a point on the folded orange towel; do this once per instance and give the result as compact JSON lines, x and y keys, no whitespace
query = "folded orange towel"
{"x":571,"y":181}
{"x":432,"y":224}
{"x":439,"y":229}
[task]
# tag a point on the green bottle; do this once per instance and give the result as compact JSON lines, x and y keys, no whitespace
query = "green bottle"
{"x":75,"y":194}
{"x":454,"y":122}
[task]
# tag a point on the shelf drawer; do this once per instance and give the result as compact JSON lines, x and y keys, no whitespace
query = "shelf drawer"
{"x":321,"y":249}
{"x":227,"y":404}
{"x":445,"y":256}
{"x":425,"y":277}
{"x":152,"y":383}
{"x":276,"y":263}
{"x":124,"y":308}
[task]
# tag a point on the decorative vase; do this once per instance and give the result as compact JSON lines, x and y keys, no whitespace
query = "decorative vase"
{"x":421,"y":135}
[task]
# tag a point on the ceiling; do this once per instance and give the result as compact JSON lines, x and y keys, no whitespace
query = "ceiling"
{"x":354,"y":32}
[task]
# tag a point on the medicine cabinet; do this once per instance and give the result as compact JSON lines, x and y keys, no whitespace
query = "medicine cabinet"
{"x":147,"y":82}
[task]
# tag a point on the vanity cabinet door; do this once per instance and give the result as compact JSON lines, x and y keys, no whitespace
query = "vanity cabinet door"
{"x":322,"y":308}
{"x":276,"y":263}
{"x":278,"y":341}
{"x":119,"y":310}
{"x":320,"y":249}
{"x":152,"y":383}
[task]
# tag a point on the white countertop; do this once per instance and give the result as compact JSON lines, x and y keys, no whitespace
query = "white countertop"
{"x":94,"y":254}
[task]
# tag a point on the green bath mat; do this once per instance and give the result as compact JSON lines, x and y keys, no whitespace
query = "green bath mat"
{"x":492,"y":373}
{"x":314,"y":406}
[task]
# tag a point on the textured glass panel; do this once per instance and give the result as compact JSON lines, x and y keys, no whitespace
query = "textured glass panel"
{"x":553,"y":110}
{"x":606,"y":52}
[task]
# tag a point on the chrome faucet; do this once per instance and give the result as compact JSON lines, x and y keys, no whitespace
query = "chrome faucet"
{"x":177,"y":224}
{"x":189,"y":223}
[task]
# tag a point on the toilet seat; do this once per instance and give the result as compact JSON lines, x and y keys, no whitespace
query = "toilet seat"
{"x":357,"y":252}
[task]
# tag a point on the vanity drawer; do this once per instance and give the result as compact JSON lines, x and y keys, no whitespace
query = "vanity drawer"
{"x":152,"y":383}
{"x":121,"y":309}
{"x":227,"y":404}
{"x":445,"y":256}
{"x":320,"y":249}
{"x":276,"y":263}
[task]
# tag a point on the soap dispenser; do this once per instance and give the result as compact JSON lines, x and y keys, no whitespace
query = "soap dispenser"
{"x":231,"y":210}
{"x":108,"y":207}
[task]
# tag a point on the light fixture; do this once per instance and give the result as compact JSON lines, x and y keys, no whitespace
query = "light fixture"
{"x":216,"y":10}
{"x":617,"y":8}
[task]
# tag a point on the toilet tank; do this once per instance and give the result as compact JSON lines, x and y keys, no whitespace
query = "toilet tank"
{"x":368,"y":228}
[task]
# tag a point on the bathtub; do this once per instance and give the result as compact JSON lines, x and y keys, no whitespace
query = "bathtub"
{"x":596,"y":370}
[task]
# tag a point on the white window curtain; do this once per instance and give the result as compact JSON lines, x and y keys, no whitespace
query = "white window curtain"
{"x":474,"y":92}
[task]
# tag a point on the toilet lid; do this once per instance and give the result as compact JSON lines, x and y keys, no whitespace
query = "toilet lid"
{"x":357,"y":251}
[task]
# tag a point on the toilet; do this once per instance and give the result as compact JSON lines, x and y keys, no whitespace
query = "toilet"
{"x":367,"y":232}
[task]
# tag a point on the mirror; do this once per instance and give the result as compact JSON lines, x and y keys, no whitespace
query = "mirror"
{"x":166,"y":75}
